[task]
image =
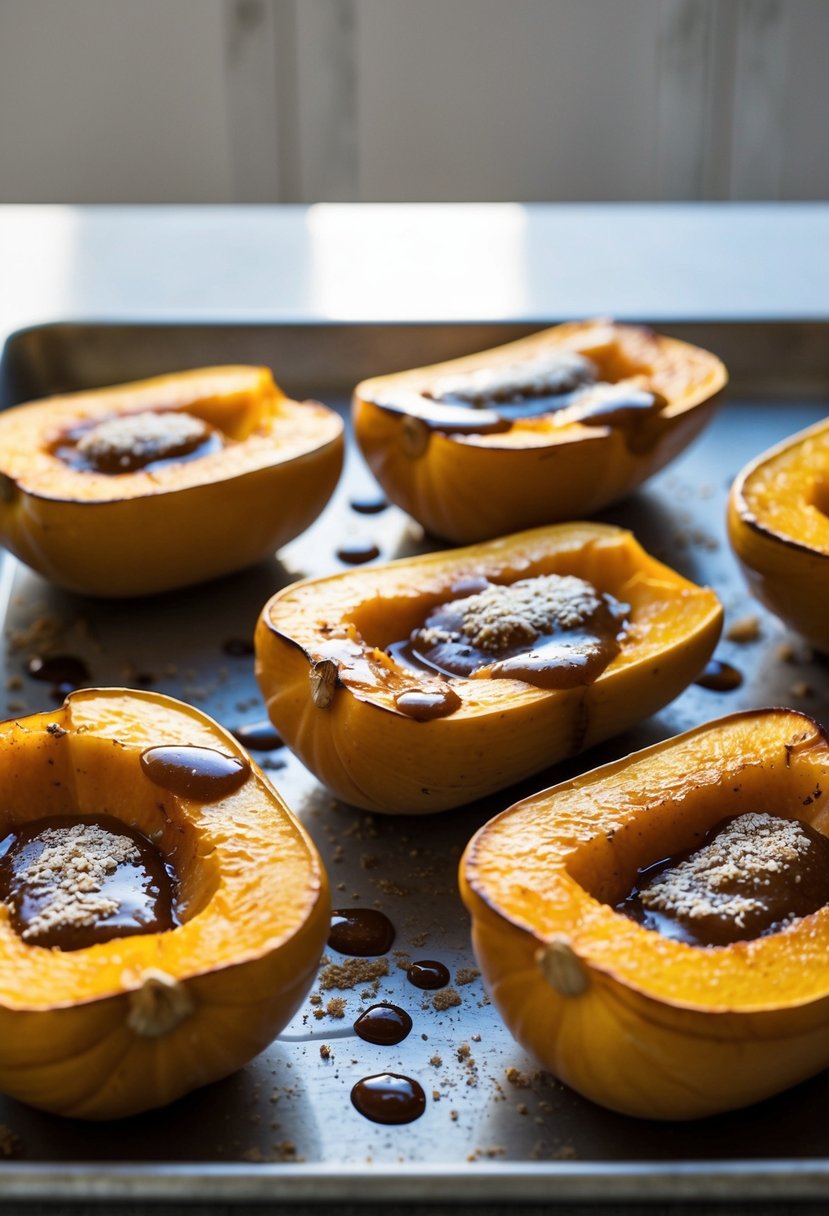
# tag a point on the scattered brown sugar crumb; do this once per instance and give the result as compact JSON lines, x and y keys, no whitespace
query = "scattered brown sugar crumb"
{"x":466,"y":975}
{"x":420,"y":939}
{"x":369,"y":861}
{"x":336,"y":1007}
{"x":68,"y":874}
{"x":436,"y":1095}
{"x":436,"y":1061}
{"x":744,"y":629}
{"x":750,"y":848}
{"x":453,"y":1115}
{"x":389,"y":887}
{"x":464,"y":1051}
{"x":325,"y":1051}
{"x":10,"y":1144}
{"x":352,"y":972}
{"x":315,"y":998}
{"x":284,"y":1151}
{"x":567,"y":1152}
{"x":486,"y":1154}
{"x":801,"y":689}
{"x":517,"y":1078}
{"x":786,"y":653}
{"x":445,"y":999}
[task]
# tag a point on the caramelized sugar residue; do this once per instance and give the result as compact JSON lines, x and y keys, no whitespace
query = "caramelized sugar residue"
{"x":360,"y":932}
{"x":357,"y":552}
{"x":72,"y":883}
{"x":261,"y":736}
{"x":428,"y":974}
{"x":128,"y":442}
{"x":719,"y":677}
{"x":383,"y":1024}
{"x":552,"y":631}
{"x":752,"y":875}
{"x":389,"y":1098}
{"x":198,"y":773}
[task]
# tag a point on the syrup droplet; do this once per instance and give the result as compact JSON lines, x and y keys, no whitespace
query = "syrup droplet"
{"x":64,"y":671}
{"x":238,"y":648}
{"x":199,"y":773}
{"x":428,"y":974}
{"x":424,"y":704}
{"x":127,"y":887}
{"x":259,"y":736}
{"x":360,"y":932}
{"x":720,"y":677}
{"x":356,"y":552}
{"x":389,"y":1098}
{"x":383,"y":1024}
{"x":369,"y":504}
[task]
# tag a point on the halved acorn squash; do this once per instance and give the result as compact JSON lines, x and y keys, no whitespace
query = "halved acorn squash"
{"x":136,"y":1021}
{"x":392,"y":739}
{"x":91,"y":502}
{"x":549,"y":428}
{"x":778,"y":524}
{"x":638,"y":1022}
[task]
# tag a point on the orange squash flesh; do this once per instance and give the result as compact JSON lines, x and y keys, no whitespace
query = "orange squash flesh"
{"x":471,"y":487}
{"x":133,"y":1023}
{"x":327,"y":636}
{"x":642,"y":1024}
{"x":183,"y":521}
{"x":779,"y":529}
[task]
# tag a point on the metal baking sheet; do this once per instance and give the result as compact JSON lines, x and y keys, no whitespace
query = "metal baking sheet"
{"x":496,"y":1129}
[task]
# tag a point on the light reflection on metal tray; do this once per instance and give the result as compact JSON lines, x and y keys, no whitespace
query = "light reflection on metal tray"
{"x":495,"y":1127}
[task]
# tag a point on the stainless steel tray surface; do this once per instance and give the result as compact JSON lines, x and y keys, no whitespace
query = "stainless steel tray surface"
{"x":495,"y":1126}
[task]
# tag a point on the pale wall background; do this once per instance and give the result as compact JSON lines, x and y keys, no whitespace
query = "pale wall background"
{"x":413,"y":100}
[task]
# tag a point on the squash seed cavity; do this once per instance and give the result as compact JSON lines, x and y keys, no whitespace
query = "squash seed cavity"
{"x":134,"y":441}
{"x":553,"y":631}
{"x":550,"y":374}
{"x":70,"y":885}
{"x":753,"y":875}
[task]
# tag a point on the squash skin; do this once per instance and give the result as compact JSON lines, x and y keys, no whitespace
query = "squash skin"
{"x":779,"y":530}
{"x":504,"y":730}
{"x":468,"y":488}
{"x":658,"y":1029}
{"x":140,"y":533}
{"x":256,"y":918}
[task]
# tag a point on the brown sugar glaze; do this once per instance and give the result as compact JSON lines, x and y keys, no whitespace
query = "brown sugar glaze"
{"x":770,"y":899}
{"x":360,"y":932}
{"x":383,"y":1024}
{"x":719,"y":677}
{"x":562,"y":658}
{"x":260,"y":736}
{"x":199,"y":773}
{"x":428,"y":974}
{"x":135,"y":896}
{"x":389,"y":1098}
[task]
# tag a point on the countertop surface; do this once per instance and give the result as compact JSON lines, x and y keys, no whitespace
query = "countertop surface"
{"x":352,"y":262}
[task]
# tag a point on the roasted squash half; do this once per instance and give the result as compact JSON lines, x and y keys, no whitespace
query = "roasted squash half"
{"x":336,"y":694}
{"x":256,"y":470}
{"x":640,"y":1023}
{"x":551,"y":427}
{"x":778,"y":524}
{"x":134,"y":1022}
